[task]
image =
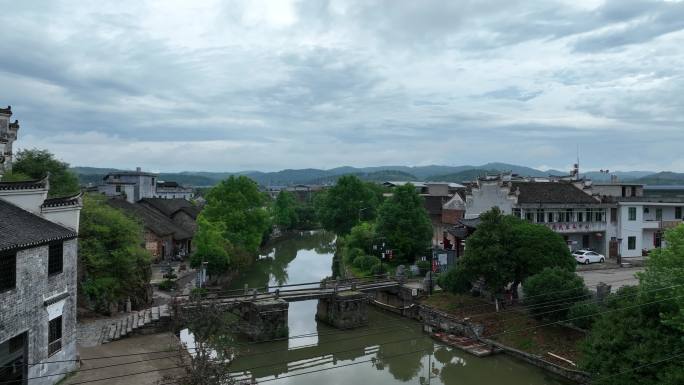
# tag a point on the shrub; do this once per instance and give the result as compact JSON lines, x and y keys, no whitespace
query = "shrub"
{"x":366,"y":262}
{"x":167,"y":285}
{"x":552,"y":292}
{"x":588,"y":312}
{"x":424,"y":266}
{"x":454,"y":280}
{"x":350,"y":254}
{"x":378,"y":269}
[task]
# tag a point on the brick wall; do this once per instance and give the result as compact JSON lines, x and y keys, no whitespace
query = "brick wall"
{"x":23,"y":309}
{"x":452,"y":216}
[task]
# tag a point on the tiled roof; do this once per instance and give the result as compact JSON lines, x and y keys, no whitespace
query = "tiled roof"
{"x":551,"y":192}
{"x":19,"y":228}
{"x":24,"y":185}
{"x":152,"y":219}
{"x":6,"y":111}
{"x":15,"y":124}
{"x":171,"y":206}
{"x":433,"y":204}
{"x":73,"y":200}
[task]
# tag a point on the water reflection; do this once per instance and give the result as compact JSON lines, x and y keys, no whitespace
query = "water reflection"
{"x":390,"y":350}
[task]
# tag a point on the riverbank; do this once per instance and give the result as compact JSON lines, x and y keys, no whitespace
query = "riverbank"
{"x":552,"y":347}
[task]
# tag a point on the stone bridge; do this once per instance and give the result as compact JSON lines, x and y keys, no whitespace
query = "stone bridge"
{"x":263,"y":315}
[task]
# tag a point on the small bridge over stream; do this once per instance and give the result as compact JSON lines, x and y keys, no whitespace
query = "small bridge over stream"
{"x":263,"y":311}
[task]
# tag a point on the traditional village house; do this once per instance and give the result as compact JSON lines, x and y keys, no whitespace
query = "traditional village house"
{"x":38,"y":267}
{"x":164,"y":239}
{"x":563,"y":206}
{"x":8,"y":134}
{"x":182,"y":212}
{"x":172,"y":190}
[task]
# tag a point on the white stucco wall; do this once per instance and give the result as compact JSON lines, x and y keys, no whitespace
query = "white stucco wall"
{"x":29,"y":200}
{"x":486,"y":197}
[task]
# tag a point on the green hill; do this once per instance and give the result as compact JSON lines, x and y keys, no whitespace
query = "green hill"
{"x":663,"y":178}
{"x":462,"y":176}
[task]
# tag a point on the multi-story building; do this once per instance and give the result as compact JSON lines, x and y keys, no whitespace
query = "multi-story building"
{"x":137,"y":185}
{"x":637,"y":221}
{"x":38,"y":267}
{"x":562,"y":206}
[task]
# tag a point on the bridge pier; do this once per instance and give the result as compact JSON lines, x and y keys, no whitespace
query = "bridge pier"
{"x":264,"y":319}
{"x":343,"y":310}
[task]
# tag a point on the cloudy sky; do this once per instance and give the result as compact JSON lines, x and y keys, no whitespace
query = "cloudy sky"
{"x":243,"y":85}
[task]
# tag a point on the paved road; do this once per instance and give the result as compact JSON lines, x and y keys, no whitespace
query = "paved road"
{"x":615,"y":277}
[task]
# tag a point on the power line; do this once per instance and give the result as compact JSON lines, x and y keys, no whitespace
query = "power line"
{"x":489,"y":336}
{"x":639,"y":367}
{"x":580,"y":317}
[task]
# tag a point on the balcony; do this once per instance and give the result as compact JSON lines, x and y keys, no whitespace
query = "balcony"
{"x":576,"y":227}
{"x":651,"y":224}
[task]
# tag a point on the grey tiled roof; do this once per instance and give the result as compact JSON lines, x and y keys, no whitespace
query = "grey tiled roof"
{"x":24,"y":185}
{"x":171,"y":206}
{"x":551,"y":192}
{"x":7,"y":110}
{"x":20,"y":228}
{"x":152,"y":219}
{"x":73,"y":200}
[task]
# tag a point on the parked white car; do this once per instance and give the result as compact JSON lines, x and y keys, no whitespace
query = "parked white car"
{"x":587,"y":256}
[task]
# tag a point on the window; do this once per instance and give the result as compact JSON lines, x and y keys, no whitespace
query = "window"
{"x":585,"y":241}
{"x":632,"y":214}
{"x":517,"y":212}
{"x":659,"y":214}
{"x":55,"y":258}
{"x":529,"y":216}
{"x":8,"y":271}
{"x":118,"y":188}
{"x":646,"y":210}
{"x":631,"y":243}
{"x":550,"y":218}
{"x":678,"y":213}
{"x":580,"y":216}
{"x":568,"y":215}
{"x":16,"y":343}
{"x":599,"y":216}
{"x":613,"y":214}
{"x":55,"y":335}
{"x":540,"y":216}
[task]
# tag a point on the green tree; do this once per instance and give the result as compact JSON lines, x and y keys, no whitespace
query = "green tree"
{"x":628,"y":336}
{"x":237,"y":206}
{"x":664,"y":276}
{"x":506,"y":250}
{"x":347,"y":203}
{"x":285,"y":210}
{"x":35,"y":164}
{"x":211,"y":246}
{"x":552,"y":292}
{"x":405,"y":224}
{"x":362,"y":236}
{"x":112,"y":264}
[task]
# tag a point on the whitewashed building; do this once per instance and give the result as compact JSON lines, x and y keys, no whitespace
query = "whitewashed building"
{"x":38,"y":278}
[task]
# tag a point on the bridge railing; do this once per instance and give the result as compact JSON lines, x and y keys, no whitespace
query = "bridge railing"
{"x":292,"y":288}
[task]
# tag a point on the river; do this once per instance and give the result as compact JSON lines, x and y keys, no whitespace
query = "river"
{"x":390,"y":350}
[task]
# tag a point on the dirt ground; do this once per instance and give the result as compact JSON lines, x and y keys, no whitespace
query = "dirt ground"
{"x":140,"y":369}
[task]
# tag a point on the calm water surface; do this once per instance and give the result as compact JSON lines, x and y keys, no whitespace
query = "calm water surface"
{"x":390,"y":350}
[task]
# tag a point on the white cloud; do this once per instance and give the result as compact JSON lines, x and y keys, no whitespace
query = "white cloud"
{"x":217,"y":85}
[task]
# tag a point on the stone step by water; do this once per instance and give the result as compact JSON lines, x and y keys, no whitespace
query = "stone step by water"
{"x":117,"y":330}
{"x":164,"y":311}
{"x":141,"y":318}
{"x":155,"y":314}
{"x":135,"y":320}
{"x":129,"y":324}
{"x":148,"y":316}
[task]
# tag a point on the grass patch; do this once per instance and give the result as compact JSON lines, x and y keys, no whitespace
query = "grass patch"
{"x":513,"y":327}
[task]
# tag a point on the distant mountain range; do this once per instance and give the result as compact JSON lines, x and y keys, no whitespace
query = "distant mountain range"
{"x":92,"y":175}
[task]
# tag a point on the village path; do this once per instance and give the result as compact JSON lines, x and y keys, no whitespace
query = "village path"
{"x":615,"y":277}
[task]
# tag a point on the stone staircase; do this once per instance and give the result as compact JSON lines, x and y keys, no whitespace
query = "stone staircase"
{"x":137,"y":322}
